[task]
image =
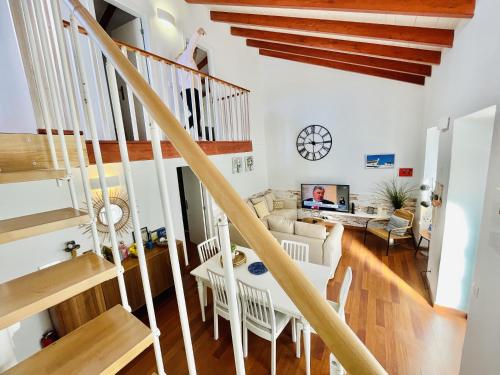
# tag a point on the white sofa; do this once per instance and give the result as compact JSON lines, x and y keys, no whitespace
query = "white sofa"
{"x":324,"y":247}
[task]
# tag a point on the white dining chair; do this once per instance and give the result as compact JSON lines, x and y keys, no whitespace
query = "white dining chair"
{"x":260,"y":318}
{"x":221,"y":299}
{"x":206,"y":250}
{"x":339,"y":306}
{"x":296,"y":250}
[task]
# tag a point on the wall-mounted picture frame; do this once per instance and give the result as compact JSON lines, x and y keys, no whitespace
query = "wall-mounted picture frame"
{"x":237,"y":164}
{"x":380,"y":161}
{"x":249,"y":163}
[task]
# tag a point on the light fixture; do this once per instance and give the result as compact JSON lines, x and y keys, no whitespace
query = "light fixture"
{"x":111,"y":181}
{"x":165,"y":16}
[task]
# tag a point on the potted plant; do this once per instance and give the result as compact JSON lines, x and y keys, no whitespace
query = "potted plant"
{"x":233,"y":250}
{"x":395,"y":192}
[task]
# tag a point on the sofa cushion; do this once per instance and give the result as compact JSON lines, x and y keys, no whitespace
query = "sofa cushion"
{"x":250,"y":205}
{"x":269,"y":197}
{"x":290,"y":203}
{"x":280,"y":224}
{"x":310,"y":230}
{"x":261,"y":209}
{"x":257,"y":199}
{"x":289,"y":214}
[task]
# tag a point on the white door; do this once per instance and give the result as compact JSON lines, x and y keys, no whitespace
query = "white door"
{"x":194,"y":206}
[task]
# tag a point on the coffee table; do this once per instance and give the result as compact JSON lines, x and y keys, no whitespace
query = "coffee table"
{"x":313,"y":220}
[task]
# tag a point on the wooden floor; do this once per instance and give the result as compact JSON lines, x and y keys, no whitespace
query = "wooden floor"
{"x":387,"y":308}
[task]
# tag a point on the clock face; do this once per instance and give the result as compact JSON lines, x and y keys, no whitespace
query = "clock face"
{"x":314,"y":142}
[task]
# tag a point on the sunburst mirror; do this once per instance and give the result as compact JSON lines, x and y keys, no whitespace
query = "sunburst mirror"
{"x":120,"y":213}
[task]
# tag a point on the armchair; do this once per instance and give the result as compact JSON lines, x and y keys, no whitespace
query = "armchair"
{"x":393,"y":234}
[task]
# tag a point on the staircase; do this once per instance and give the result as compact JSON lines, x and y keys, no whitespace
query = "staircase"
{"x":91,"y":349}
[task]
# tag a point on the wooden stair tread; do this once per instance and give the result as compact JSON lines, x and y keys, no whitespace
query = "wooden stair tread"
{"x":37,"y":291}
{"x":31,"y":175}
{"x":102,"y":346}
{"x":40,"y":223}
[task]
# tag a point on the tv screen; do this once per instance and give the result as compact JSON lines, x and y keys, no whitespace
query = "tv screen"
{"x":325,"y":197}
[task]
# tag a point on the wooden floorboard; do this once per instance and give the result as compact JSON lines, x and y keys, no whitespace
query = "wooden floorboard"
{"x":387,"y":308}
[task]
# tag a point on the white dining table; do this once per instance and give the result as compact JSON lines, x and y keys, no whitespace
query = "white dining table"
{"x":319,"y":275}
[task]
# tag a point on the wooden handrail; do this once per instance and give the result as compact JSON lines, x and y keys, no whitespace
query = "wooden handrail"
{"x":339,"y":338}
{"x":161,"y":58}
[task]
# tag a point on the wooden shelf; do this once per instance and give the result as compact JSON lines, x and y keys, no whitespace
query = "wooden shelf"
{"x":37,"y":291}
{"x":31,"y":175}
{"x":40,"y":223}
{"x":102,"y":346}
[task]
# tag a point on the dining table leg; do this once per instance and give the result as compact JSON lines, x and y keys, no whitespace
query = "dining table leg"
{"x":307,"y":345}
{"x":201,"y":289}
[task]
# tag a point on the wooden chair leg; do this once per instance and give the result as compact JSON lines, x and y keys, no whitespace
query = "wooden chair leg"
{"x":388,"y":244}
{"x":364,"y":239}
{"x":418,"y":246}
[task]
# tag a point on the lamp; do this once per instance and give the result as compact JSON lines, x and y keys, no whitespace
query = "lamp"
{"x":111,"y":181}
{"x":165,"y":16}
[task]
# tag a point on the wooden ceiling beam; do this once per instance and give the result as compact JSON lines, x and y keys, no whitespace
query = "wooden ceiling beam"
{"x":375,"y":62}
{"x":432,"y":8}
{"x":394,"y":52}
{"x":420,"y":35}
{"x":398,"y":76}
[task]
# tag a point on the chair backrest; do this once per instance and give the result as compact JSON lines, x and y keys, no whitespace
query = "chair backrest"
{"x":405,"y":214}
{"x":257,"y":305}
{"x":219,"y":291}
{"x":344,"y":290}
{"x":207,"y":249}
{"x":296,"y":250}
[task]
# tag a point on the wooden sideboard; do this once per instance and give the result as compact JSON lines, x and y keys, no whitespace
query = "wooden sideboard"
{"x":82,"y":308}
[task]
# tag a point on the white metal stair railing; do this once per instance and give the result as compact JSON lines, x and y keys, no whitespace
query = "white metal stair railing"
{"x":353,"y":355}
{"x":223,"y":108}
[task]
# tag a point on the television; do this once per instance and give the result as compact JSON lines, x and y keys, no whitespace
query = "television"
{"x":325,"y":197}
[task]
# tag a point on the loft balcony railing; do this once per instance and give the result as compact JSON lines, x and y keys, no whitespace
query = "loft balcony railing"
{"x":220,"y":110}
{"x":59,"y":67}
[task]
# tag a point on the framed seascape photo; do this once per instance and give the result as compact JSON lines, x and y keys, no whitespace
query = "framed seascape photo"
{"x":249,"y":163}
{"x":380,"y":161}
{"x":237,"y":164}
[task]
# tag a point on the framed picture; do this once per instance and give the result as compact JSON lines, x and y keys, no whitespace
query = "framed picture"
{"x":237,"y":164}
{"x":145,"y":235}
{"x":249,"y":163}
{"x":380,"y":161}
{"x":158,"y":233}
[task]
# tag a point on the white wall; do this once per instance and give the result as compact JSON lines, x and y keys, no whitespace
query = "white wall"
{"x":468,"y":80}
{"x":364,"y":115}
{"x":16,"y":111}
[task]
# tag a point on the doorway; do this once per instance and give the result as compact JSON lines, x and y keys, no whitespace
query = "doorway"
{"x":125,"y":27}
{"x":470,"y":155}
{"x":195,"y":205}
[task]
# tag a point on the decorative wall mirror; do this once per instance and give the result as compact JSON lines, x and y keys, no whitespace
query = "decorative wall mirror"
{"x":120,"y":213}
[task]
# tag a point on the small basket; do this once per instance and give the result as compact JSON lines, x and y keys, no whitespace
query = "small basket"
{"x":239,"y":259}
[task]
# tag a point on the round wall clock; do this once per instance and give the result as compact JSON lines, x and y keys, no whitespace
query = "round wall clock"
{"x":314,"y":142}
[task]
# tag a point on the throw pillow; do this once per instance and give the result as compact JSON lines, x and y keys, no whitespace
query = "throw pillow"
{"x":310,"y":230}
{"x":278,"y":204}
{"x":280,"y":224}
{"x":290,"y":203}
{"x":269,"y":197}
{"x":257,"y":200}
{"x":396,"y":222}
{"x":261,"y":209}
{"x":250,"y":206}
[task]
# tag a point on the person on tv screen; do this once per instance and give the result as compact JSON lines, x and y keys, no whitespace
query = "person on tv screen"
{"x":342,"y":201}
{"x":317,"y":199}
